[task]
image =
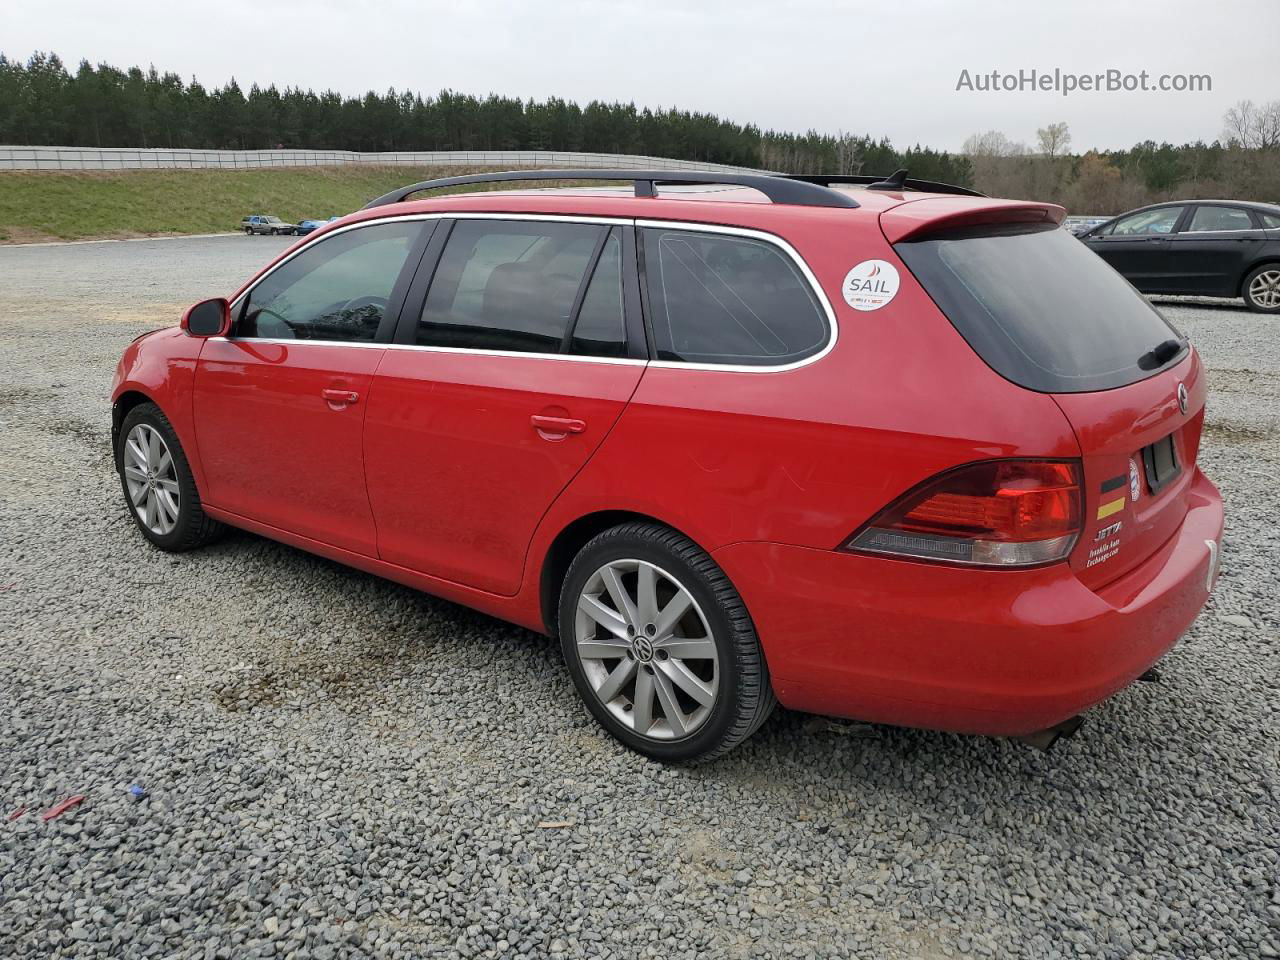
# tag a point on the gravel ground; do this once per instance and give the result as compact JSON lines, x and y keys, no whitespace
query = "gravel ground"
{"x":338,"y":766}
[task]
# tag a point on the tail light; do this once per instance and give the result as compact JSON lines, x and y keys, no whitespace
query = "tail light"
{"x":998,"y":513}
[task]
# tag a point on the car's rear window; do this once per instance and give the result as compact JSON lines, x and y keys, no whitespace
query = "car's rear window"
{"x":1040,"y":307}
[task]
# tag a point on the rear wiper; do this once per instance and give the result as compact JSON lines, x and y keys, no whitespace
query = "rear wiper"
{"x":1160,"y":354}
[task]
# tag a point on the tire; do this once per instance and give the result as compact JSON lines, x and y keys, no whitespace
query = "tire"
{"x":735,"y":696}
{"x":1261,"y":289}
{"x":248,"y":231}
{"x":273,"y":231}
{"x":151,"y":499}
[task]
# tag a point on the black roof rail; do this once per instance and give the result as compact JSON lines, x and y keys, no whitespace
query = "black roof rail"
{"x":896,"y":181}
{"x":799,"y":191}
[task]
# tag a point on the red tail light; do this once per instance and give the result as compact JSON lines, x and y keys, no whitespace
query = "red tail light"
{"x":999,"y":513}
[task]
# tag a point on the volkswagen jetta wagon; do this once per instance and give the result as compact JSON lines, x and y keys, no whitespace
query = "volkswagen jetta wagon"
{"x":886,"y":450}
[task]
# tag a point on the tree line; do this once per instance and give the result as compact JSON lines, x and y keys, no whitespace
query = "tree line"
{"x":42,"y":103}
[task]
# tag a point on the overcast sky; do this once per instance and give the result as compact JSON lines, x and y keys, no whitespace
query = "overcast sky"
{"x":887,"y":68}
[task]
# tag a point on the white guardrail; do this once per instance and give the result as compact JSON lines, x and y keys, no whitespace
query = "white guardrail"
{"x":126,"y":158}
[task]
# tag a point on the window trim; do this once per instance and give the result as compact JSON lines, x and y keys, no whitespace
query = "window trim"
{"x":432,"y":244}
{"x":769,"y":238}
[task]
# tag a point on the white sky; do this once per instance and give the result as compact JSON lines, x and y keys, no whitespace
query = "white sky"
{"x":885,"y":67}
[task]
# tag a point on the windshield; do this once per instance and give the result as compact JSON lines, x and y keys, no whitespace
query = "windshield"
{"x":1041,"y":308}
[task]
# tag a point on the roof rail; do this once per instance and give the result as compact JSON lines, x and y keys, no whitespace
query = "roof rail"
{"x":896,"y":181}
{"x":800,"y":191}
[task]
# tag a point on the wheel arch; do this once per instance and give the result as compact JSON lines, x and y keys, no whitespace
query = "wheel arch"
{"x":119,"y":410}
{"x":1267,"y":260}
{"x":565,"y":546}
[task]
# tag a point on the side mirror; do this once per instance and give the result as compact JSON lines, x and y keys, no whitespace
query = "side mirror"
{"x":208,"y":318}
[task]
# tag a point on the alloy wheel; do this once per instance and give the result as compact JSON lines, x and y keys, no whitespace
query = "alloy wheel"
{"x":646,"y":649}
{"x":1264,"y":289}
{"x":152,"y":479}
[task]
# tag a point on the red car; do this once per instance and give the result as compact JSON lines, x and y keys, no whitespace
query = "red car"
{"x":879,"y":450}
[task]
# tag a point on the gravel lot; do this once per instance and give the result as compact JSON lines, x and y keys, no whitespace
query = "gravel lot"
{"x":338,"y":766}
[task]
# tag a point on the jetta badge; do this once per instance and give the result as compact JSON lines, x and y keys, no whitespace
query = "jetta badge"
{"x":1182,"y":397}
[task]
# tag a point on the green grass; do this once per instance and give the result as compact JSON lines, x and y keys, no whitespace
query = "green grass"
{"x":94,"y":204}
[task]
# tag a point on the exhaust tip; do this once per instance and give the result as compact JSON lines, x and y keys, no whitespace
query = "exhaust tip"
{"x":1044,"y":740}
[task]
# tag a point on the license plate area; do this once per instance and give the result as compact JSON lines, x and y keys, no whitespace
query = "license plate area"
{"x":1160,"y":460}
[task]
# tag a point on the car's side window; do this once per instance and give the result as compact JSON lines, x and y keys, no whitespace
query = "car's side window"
{"x":336,"y":289}
{"x":723,"y":299}
{"x":1148,"y":223}
{"x":601,"y":330}
{"x":513,"y":285}
{"x":1271,"y":221}
{"x":1219,"y":218}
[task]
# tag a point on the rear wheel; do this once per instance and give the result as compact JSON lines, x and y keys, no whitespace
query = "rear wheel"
{"x":1261,"y":289}
{"x":157,"y":482}
{"x":273,"y":231}
{"x":660,"y":645}
{"x":248,"y":231}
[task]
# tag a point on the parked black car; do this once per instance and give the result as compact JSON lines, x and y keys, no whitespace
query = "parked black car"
{"x":1207,"y":248}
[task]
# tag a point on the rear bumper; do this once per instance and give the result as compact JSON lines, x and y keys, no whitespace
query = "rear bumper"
{"x":993,"y":652}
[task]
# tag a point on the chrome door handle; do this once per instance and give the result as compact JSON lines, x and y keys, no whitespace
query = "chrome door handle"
{"x":557,"y":424}
{"x":340,"y":396}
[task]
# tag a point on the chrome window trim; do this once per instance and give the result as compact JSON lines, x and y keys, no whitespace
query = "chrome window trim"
{"x":790,"y":251}
{"x":367,"y":345}
{"x":760,"y":235}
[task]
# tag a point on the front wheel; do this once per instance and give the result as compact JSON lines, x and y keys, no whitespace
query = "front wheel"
{"x":274,"y":231}
{"x":1261,"y":289}
{"x":248,"y":231}
{"x":660,"y":645}
{"x":158,"y":485}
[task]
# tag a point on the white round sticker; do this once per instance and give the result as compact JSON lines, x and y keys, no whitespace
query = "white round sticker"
{"x":870,"y":285}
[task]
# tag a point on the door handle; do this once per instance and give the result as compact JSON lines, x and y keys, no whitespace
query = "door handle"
{"x":557,"y":424}
{"x":340,"y":396}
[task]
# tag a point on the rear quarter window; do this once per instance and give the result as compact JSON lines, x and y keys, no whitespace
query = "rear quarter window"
{"x":727,"y":299}
{"x":1040,"y":307}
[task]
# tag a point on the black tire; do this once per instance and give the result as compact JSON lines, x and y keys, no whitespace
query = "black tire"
{"x":1254,"y":274}
{"x":274,"y":231}
{"x":193,"y":527}
{"x":248,"y":231}
{"x":744,"y":697}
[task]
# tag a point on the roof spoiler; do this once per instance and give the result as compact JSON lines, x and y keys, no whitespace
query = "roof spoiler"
{"x":931,"y":215}
{"x":898,"y":180}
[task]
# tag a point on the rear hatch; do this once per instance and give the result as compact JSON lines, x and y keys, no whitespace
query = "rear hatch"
{"x":1048,"y":314}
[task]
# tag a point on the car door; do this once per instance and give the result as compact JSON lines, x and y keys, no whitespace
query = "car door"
{"x":1211,"y":253}
{"x":518,"y":348}
{"x":1136,"y":245}
{"x":279,"y":404}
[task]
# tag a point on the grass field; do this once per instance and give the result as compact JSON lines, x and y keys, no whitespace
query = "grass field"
{"x":90,"y":204}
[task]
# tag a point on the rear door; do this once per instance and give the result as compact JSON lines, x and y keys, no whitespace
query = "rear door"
{"x":279,"y":405}
{"x":1138,"y":247}
{"x":519,"y":348}
{"x":1210,"y":253}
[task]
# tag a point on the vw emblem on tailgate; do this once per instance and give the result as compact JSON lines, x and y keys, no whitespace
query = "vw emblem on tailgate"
{"x":1182,"y":397}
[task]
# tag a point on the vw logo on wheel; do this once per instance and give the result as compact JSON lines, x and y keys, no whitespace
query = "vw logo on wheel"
{"x":1182,"y":397}
{"x":642,"y":647}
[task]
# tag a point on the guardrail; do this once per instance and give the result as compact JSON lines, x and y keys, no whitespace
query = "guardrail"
{"x":128,"y":158}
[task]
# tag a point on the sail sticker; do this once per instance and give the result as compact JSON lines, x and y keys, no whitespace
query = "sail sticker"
{"x":870,"y":285}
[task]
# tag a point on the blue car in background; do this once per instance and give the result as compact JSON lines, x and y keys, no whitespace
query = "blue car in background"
{"x":307,"y":226}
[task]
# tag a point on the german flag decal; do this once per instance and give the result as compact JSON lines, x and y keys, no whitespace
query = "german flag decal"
{"x":1115,"y":483}
{"x":1114,"y":503}
{"x":1107,"y":509}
